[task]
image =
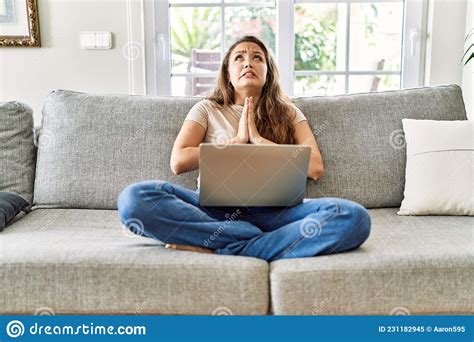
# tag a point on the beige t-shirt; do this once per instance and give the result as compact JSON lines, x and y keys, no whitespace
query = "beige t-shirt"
{"x":222,"y":125}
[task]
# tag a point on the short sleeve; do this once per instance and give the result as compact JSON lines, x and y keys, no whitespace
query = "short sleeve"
{"x":299,"y":116}
{"x":198,"y":113}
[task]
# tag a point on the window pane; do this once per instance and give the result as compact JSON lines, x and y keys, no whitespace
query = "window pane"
{"x":319,"y":85}
{"x":195,"y":39}
{"x":320,"y":31}
{"x":361,"y":84}
{"x":376,"y":36}
{"x":191,"y":85}
{"x":257,"y":21}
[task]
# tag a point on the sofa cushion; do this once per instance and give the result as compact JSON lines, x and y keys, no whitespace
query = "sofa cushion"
{"x":92,"y":146}
{"x":440,"y":168}
{"x":361,"y":139}
{"x":415,"y":264}
{"x":17,"y":149}
{"x":77,"y":261}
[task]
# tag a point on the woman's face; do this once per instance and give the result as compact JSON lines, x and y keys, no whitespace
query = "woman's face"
{"x":247,"y":67}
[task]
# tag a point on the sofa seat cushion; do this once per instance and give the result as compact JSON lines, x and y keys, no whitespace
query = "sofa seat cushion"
{"x":75,"y":261}
{"x":409,"y":264}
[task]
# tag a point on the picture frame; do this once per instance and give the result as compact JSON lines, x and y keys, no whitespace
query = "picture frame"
{"x":19,"y":23}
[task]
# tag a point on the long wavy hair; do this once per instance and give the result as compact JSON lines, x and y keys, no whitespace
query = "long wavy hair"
{"x":274,"y":111}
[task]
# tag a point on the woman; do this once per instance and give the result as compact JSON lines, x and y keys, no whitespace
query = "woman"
{"x":247,"y":106}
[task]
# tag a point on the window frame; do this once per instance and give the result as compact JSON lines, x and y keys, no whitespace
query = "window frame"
{"x":158,"y":52}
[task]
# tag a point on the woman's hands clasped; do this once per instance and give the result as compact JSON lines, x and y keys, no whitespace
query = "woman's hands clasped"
{"x":247,"y":129}
{"x":243,"y":132}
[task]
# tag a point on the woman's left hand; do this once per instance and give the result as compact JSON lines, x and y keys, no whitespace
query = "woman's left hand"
{"x":254,"y":136}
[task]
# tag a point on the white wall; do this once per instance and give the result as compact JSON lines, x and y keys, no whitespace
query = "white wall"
{"x":446,"y":33}
{"x":29,"y":74}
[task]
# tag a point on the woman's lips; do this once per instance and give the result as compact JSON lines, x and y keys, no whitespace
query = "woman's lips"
{"x":249,"y":75}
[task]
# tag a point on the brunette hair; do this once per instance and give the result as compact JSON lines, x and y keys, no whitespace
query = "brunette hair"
{"x":274,"y":111}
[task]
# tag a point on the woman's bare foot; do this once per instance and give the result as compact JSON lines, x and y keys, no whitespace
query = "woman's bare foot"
{"x":189,"y":248}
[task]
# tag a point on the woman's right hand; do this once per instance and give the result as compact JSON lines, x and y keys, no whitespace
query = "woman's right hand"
{"x":242,"y":136}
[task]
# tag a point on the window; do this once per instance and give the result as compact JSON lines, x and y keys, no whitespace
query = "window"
{"x":326,"y":47}
{"x":347,"y":47}
{"x":199,"y":35}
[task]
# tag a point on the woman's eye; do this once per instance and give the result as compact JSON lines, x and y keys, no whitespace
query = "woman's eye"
{"x":260,"y":58}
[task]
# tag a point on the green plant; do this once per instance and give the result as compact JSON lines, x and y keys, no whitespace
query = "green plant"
{"x":315,"y":46}
{"x":259,"y":21}
{"x":200,"y":32}
{"x":466,"y":53}
{"x":197,"y":34}
{"x":315,"y":42}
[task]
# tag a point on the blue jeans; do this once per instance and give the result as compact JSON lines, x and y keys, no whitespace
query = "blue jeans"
{"x":172,"y":214}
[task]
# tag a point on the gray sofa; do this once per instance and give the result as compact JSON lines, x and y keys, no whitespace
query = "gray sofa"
{"x":71,"y":255}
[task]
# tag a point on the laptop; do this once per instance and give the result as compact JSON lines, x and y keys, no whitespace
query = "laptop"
{"x":252,"y":175}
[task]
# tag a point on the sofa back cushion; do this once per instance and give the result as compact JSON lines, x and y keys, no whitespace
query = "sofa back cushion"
{"x":362,"y":142}
{"x":17,"y":149}
{"x":91,"y":146}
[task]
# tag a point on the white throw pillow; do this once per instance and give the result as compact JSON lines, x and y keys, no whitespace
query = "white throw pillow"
{"x":439,"y":175}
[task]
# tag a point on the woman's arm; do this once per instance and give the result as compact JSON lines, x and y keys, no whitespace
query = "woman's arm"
{"x":185,"y":153}
{"x":304,"y":136}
